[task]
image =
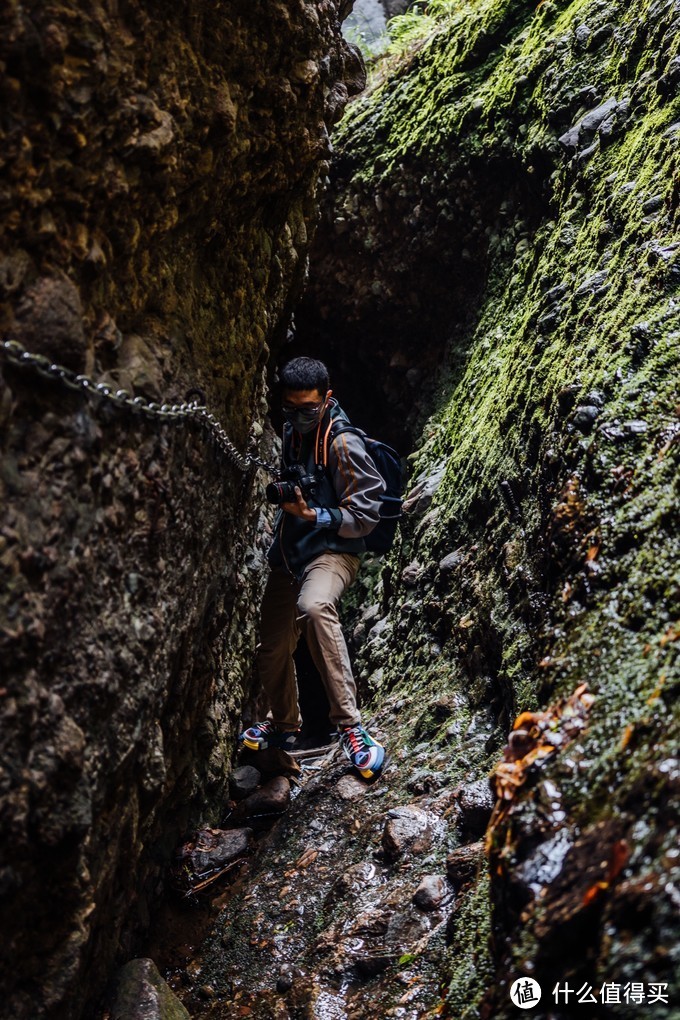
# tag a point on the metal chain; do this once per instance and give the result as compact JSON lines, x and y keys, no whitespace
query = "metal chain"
{"x":16,"y":354}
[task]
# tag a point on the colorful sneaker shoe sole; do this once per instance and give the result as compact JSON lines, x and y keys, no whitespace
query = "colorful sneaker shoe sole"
{"x":263,"y":735}
{"x":366,"y":754}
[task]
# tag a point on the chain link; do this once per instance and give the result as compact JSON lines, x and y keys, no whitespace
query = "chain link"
{"x":16,"y":354}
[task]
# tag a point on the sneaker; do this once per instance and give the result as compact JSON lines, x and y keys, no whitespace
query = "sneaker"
{"x":266,"y":734}
{"x":365,"y":753}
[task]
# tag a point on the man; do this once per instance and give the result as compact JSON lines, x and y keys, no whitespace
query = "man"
{"x":314,"y":559}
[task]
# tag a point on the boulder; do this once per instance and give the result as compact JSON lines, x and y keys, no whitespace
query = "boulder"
{"x":142,"y":994}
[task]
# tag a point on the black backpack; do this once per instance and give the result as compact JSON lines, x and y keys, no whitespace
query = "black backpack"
{"x":388,"y":463}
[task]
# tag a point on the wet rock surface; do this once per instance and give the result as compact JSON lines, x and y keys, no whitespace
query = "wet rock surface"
{"x":512,"y":298}
{"x":406,"y":828}
{"x":207,"y":854}
{"x":269,"y":801}
{"x":142,"y":994}
{"x":320,"y":918}
{"x":532,"y":157}
{"x":243,"y":781}
{"x":476,"y":802}
{"x":157,"y":204}
{"x":431,"y":893}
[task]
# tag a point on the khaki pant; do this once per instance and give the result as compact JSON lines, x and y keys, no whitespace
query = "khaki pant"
{"x":310,"y":607}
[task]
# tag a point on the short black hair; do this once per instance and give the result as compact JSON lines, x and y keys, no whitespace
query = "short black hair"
{"x":304,"y":374}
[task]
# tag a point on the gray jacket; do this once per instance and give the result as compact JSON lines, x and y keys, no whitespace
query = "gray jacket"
{"x":349,"y":487}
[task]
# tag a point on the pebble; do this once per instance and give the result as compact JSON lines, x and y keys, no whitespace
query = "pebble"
{"x":284,"y":982}
{"x":243,"y":781}
{"x":431,"y":893}
{"x":350,"y":788}
{"x":584,"y":418}
{"x":595,"y":399}
{"x":411,"y":574}
{"x":213,"y":848}
{"x":451,"y":561}
{"x":270,"y":800}
{"x":583,"y":35}
{"x":476,"y":802}
{"x":142,"y":994}
{"x":406,"y":828}
{"x":464,"y":863}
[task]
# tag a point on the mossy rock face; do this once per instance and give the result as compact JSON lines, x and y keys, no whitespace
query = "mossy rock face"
{"x":504,"y":222}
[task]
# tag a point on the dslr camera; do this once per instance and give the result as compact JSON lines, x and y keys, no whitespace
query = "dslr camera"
{"x":283,"y":489}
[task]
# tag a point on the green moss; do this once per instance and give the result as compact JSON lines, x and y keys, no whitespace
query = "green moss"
{"x":578,"y":307}
{"x":470,"y":960}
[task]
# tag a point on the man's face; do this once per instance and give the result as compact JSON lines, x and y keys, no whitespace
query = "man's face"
{"x":303,"y":408}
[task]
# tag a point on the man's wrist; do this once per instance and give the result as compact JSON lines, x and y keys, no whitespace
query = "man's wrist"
{"x":327,"y":518}
{"x":323,"y":517}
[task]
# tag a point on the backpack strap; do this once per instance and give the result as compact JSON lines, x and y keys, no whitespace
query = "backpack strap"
{"x":335,"y":428}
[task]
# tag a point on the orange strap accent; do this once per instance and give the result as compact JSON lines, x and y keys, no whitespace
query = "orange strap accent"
{"x":324,"y":449}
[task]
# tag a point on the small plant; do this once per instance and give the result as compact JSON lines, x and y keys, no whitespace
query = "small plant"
{"x":419,"y":21}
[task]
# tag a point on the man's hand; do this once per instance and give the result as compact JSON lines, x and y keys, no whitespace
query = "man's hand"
{"x":299,"y":508}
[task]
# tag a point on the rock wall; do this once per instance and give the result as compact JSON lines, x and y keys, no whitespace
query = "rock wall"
{"x":498,"y":271}
{"x":157,"y":189}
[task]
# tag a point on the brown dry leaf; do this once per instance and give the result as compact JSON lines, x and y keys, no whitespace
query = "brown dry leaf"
{"x":307,"y":857}
{"x":627,"y":734}
{"x":544,"y":733}
{"x":656,"y":693}
{"x":672,"y":634}
{"x":525,"y":720}
{"x":619,"y":858}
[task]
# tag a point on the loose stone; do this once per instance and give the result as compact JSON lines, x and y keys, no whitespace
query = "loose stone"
{"x":476,"y":803}
{"x":243,"y":781}
{"x":464,"y":863}
{"x":350,"y":788}
{"x":270,"y":800}
{"x":431,"y":893}
{"x":584,"y":417}
{"x":451,"y":561}
{"x":406,"y":828}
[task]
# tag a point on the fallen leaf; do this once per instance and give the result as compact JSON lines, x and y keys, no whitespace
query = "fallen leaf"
{"x":627,"y":734}
{"x":619,"y":857}
{"x":672,"y":634}
{"x":307,"y":858}
{"x":656,"y":693}
{"x":591,"y":894}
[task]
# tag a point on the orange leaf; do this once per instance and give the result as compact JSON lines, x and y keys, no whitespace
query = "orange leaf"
{"x":627,"y":734}
{"x":656,"y":693}
{"x":524,"y":719}
{"x":594,"y":892}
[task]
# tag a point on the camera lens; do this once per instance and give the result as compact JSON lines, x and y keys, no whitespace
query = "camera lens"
{"x":280,"y":492}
